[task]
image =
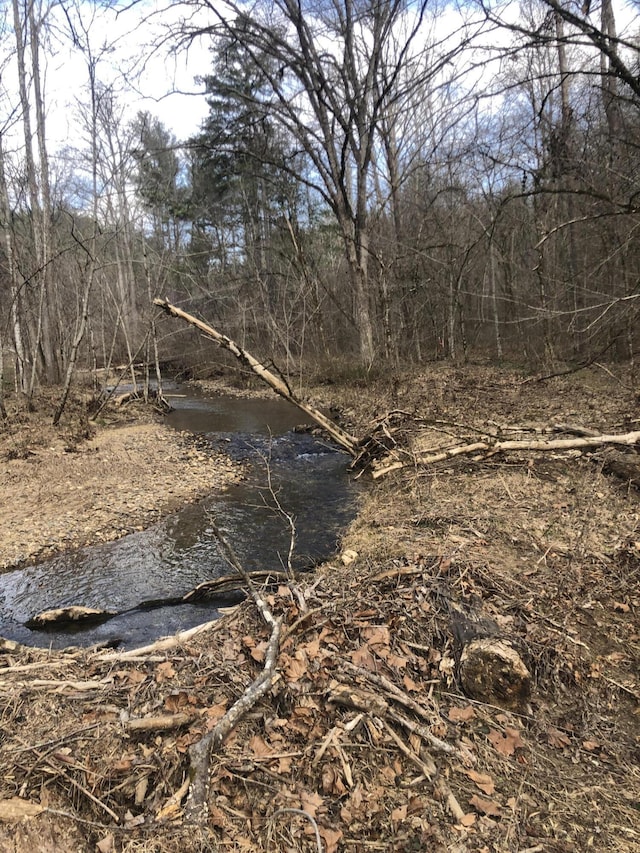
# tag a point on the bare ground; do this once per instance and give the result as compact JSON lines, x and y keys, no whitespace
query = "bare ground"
{"x":366,"y":729}
{"x":86,"y":483}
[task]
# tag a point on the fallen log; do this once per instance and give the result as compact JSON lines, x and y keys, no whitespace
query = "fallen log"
{"x":66,"y":615}
{"x":488,"y":448}
{"x":340,"y":436}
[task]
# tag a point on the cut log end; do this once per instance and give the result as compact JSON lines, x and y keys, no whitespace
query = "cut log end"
{"x":492,"y":671}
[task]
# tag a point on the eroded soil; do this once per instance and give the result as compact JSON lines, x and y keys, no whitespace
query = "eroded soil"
{"x":366,"y":729}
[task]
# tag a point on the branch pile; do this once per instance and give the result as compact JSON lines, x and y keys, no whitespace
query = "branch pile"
{"x":360,"y":734}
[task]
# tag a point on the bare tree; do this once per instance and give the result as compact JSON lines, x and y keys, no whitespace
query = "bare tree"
{"x":333,"y":72}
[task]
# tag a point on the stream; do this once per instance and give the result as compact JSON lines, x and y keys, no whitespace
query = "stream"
{"x":133,"y":575}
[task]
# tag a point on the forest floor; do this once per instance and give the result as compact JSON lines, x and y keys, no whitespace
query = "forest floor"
{"x":365,"y":740}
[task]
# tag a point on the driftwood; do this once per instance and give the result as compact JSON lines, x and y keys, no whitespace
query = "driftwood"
{"x":67,"y":615}
{"x":340,"y":436}
{"x":489,"y":447}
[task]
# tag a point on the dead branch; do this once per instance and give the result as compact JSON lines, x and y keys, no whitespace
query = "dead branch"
{"x":162,"y":645}
{"x":200,"y":753}
{"x":488,"y":448}
{"x":162,"y":723}
{"x":196,"y":808}
{"x":340,"y":436}
{"x":230,"y":583}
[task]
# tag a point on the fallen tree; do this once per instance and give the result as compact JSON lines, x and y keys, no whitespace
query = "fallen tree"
{"x":486,"y":448}
{"x":339,"y":435}
{"x":381,"y":453}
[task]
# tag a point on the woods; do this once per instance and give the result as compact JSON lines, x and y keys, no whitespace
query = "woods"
{"x":373,"y":184}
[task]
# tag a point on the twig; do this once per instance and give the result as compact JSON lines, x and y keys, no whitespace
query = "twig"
{"x":288,"y":518}
{"x":429,"y":769}
{"x":83,"y":790}
{"x":309,"y":817}
{"x":423,"y":732}
{"x":390,"y":688}
{"x":159,"y":724}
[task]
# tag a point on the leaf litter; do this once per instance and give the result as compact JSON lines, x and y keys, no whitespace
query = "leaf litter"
{"x":365,"y":730}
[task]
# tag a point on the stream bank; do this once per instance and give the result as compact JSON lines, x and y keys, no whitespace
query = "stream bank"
{"x":89,"y":483}
{"x":288,"y":482}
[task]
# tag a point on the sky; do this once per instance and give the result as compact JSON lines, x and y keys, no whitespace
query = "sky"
{"x":146,"y":79}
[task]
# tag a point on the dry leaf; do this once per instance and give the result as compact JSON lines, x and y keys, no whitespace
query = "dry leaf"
{"x":311,"y":802}
{"x":164,"y":672}
{"x":488,"y":807}
{"x":107,"y":845}
{"x":284,"y":764}
{"x":332,"y":780}
{"x":123,"y":765}
{"x":483,"y":781}
{"x":331,"y":837}
{"x":293,"y":669}
{"x":557,"y":739}
{"x":133,"y":676}
{"x":311,"y":649}
{"x":590,"y":745}
{"x":469,"y":819}
{"x":398,"y":814}
{"x":363,"y":657}
{"x":620,"y":607}
{"x":377,"y":635}
{"x":260,"y":747}
{"x":394,"y":660}
{"x":258,"y":652}
{"x":17,"y":809}
{"x":178,"y":701}
{"x":409,"y":683}
{"x":506,"y":742}
{"x":215,"y":713}
{"x":461,"y":715}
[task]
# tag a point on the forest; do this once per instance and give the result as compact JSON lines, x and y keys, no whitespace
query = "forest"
{"x":374,"y":184}
{"x":418,"y":221}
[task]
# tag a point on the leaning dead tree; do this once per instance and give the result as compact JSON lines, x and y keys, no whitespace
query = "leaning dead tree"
{"x":380,"y":452}
{"x":340,"y":436}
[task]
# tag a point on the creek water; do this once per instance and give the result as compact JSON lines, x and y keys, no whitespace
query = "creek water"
{"x":132,"y":575}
